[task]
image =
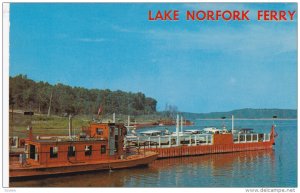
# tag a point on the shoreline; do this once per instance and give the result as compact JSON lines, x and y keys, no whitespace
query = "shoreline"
{"x":254,"y":119}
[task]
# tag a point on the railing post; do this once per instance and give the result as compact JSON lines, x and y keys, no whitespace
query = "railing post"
{"x":149,"y":142}
{"x":245,"y":137}
{"x":206,"y":137}
{"x":264,"y":137}
{"x":159,"y":141}
{"x":170,"y":141}
{"x":238,"y":138}
{"x":251,"y":137}
{"x":257,"y":137}
{"x":195,"y":139}
{"x":190,"y":140}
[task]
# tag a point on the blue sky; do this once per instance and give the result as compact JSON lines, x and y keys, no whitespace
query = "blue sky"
{"x":197,"y":66}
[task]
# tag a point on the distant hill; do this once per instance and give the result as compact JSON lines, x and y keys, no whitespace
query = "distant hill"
{"x":246,"y":113}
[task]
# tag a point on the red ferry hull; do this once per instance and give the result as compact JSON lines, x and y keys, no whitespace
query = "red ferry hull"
{"x":210,"y":149}
{"x":132,"y":161}
{"x":222,"y":143}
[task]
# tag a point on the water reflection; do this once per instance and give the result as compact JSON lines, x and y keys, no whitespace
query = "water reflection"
{"x":196,"y":171}
{"x":217,"y":170}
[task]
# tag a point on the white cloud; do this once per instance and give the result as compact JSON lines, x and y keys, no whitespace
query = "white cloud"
{"x":232,"y":80}
{"x":252,"y":38}
{"x":120,"y":29}
{"x":91,"y":39}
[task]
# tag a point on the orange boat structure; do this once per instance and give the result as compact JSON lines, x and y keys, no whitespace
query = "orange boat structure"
{"x":191,"y":143}
{"x":99,"y":147}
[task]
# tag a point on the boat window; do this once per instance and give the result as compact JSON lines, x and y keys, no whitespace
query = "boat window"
{"x":32,"y":151}
{"x":99,"y":131}
{"x":71,"y":151}
{"x":103,"y":149}
{"x":88,"y":150}
{"x":112,"y":131}
{"x":53,"y":152}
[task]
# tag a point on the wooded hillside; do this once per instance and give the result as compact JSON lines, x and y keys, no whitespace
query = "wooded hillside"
{"x":27,"y":94}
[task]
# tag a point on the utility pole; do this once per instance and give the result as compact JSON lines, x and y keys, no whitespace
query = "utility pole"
{"x":49,"y":110}
{"x":70,"y":126}
{"x":12,"y":118}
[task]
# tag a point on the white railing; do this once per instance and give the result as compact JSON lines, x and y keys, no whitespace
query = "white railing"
{"x":251,"y":137}
{"x":169,"y":140}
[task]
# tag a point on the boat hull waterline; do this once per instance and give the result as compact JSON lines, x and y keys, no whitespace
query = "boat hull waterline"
{"x":130,"y":161}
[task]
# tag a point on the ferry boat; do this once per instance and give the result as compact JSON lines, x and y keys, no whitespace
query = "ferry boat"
{"x":98,"y":147}
{"x":210,"y":141}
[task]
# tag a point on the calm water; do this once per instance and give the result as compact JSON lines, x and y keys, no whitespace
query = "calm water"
{"x":266,"y":168}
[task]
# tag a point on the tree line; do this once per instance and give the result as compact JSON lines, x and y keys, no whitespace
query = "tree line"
{"x":27,"y":94}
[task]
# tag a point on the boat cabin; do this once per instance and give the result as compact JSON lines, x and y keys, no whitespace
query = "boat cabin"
{"x":100,"y":141}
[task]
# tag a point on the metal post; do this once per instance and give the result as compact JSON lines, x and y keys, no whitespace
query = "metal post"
{"x":232,"y":123}
{"x":195,"y":139}
{"x":128,"y":121}
{"x":159,"y":141}
{"x":177,"y":130}
{"x":264,"y":137}
{"x":170,"y":141}
{"x":181,"y":124}
{"x":238,"y":138}
{"x":149,"y":142}
{"x":245,"y":137}
{"x":206,"y":139}
{"x":251,"y":137}
{"x":190,"y":140}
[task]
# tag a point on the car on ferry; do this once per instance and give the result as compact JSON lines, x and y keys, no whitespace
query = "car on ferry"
{"x":245,"y":131}
{"x":214,"y":130}
{"x":193,"y":131}
{"x":151,"y":137}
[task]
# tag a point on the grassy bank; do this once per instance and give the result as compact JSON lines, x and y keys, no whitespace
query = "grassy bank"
{"x":44,"y":125}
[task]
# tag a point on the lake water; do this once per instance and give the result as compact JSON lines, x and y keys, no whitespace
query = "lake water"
{"x":264,"y":168}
